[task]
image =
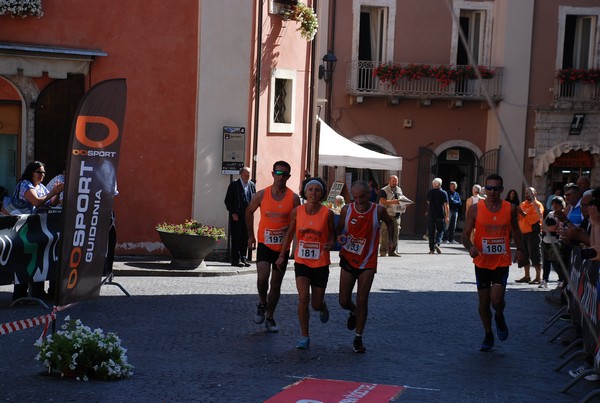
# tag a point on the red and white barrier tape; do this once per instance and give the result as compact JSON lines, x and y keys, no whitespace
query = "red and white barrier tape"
{"x":45,"y":320}
{"x":15,"y":326}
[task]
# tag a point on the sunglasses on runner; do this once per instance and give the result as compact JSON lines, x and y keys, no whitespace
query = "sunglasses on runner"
{"x":494,"y":188}
{"x":281,"y":173}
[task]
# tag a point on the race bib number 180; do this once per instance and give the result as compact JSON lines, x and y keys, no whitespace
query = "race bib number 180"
{"x":274,"y":236}
{"x":493,"y":246}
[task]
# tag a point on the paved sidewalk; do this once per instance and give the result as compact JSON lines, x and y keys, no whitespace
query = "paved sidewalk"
{"x":192,"y":338}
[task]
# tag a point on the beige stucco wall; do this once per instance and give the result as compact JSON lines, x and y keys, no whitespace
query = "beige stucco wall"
{"x":223,"y":90}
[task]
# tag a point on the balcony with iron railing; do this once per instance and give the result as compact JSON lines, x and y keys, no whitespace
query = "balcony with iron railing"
{"x":362,"y":80}
{"x":579,"y":89}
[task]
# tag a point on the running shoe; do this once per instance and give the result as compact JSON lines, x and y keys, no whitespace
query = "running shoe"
{"x":351,"y":321}
{"x":543,"y":284}
{"x":324,"y":313}
{"x":488,"y":343}
{"x":303,"y":343}
{"x":271,"y":326}
{"x":577,"y":371}
{"x":501,"y":327}
{"x":260,"y":313}
{"x":358,"y":345}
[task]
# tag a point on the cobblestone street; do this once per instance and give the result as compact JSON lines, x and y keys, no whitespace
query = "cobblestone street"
{"x":194,"y":339}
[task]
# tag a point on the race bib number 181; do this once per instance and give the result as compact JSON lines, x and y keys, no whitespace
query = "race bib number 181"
{"x":309,"y":250}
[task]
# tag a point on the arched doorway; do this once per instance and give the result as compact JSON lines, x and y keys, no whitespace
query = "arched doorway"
{"x":10,"y":136}
{"x":568,"y":167}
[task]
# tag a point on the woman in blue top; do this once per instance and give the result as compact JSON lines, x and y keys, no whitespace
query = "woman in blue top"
{"x":30,"y":193}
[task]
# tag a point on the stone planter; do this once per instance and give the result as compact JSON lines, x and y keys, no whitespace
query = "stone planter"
{"x":188,"y":251}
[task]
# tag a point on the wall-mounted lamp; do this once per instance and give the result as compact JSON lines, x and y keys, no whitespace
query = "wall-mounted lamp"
{"x":328,"y":66}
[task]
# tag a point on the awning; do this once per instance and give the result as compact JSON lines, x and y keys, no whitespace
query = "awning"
{"x":337,"y":150}
{"x":33,"y":60}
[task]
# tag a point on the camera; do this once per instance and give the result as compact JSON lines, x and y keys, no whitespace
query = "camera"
{"x":588,"y":253}
{"x":550,"y":221}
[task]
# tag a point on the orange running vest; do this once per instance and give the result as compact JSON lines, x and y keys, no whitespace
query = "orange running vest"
{"x":312,"y":232}
{"x":362,"y":232}
{"x":492,"y":236}
{"x":274,"y":219}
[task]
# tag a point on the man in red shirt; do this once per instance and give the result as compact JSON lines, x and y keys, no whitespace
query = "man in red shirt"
{"x":531,"y":213}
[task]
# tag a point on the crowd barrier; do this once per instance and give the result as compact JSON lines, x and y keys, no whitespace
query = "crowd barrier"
{"x":583,"y":300}
{"x":29,"y":247}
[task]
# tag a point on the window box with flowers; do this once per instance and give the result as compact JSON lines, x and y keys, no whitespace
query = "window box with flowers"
{"x":445,"y":74}
{"x":77,"y":351}
{"x":189,"y":243}
{"x":21,"y":8}
{"x":585,"y":76}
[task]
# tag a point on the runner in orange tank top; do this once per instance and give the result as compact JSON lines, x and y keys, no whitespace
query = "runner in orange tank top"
{"x":358,"y":233}
{"x":492,"y":220}
{"x":276,"y":202}
{"x":312,"y":223}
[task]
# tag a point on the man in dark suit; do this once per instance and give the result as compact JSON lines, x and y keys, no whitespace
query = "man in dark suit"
{"x":239,"y":194}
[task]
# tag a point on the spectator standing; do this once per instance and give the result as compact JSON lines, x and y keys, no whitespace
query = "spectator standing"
{"x":312,"y":225}
{"x":238,"y":197}
{"x":513,"y":197}
{"x":531,"y":213}
{"x":475,"y":196}
{"x":573,"y":198}
{"x":373,"y":192}
{"x":438,"y":215}
{"x":557,"y":192}
{"x":358,"y":233}
{"x":490,"y":224}
{"x":455,"y":205}
{"x":276,"y":202}
{"x":552,"y":253}
{"x":389,"y":197}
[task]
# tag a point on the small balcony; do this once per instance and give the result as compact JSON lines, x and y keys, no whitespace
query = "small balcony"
{"x":361,"y":81}
{"x":576,"y":94}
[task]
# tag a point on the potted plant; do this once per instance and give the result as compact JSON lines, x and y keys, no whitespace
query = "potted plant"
{"x":306,"y":17}
{"x":79,"y":352}
{"x":189,"y":243}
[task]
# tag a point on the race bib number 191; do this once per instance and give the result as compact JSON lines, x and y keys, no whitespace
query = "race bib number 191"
{"x":493,"y":246}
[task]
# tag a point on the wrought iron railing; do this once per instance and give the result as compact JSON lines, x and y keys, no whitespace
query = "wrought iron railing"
{"x":360,"y":81}
{"x":576,"y":91}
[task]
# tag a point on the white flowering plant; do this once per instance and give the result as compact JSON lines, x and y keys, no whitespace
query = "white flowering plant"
{"x":21,"y":8}
{"x":307,"y":18}
{"x":80,"y":352}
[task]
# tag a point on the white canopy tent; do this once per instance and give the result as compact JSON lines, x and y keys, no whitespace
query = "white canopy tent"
{"x":337,"y":150}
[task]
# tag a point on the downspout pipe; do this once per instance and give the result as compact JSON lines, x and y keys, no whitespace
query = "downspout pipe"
{"x":311,"y":108}
{"x":257,"y":79}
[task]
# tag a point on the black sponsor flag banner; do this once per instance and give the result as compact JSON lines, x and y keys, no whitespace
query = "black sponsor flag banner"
{"x":90,"y":186}
{"x":29,"y":248}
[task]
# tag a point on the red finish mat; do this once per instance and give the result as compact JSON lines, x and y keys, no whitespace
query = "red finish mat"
{"x":311,"y":390}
